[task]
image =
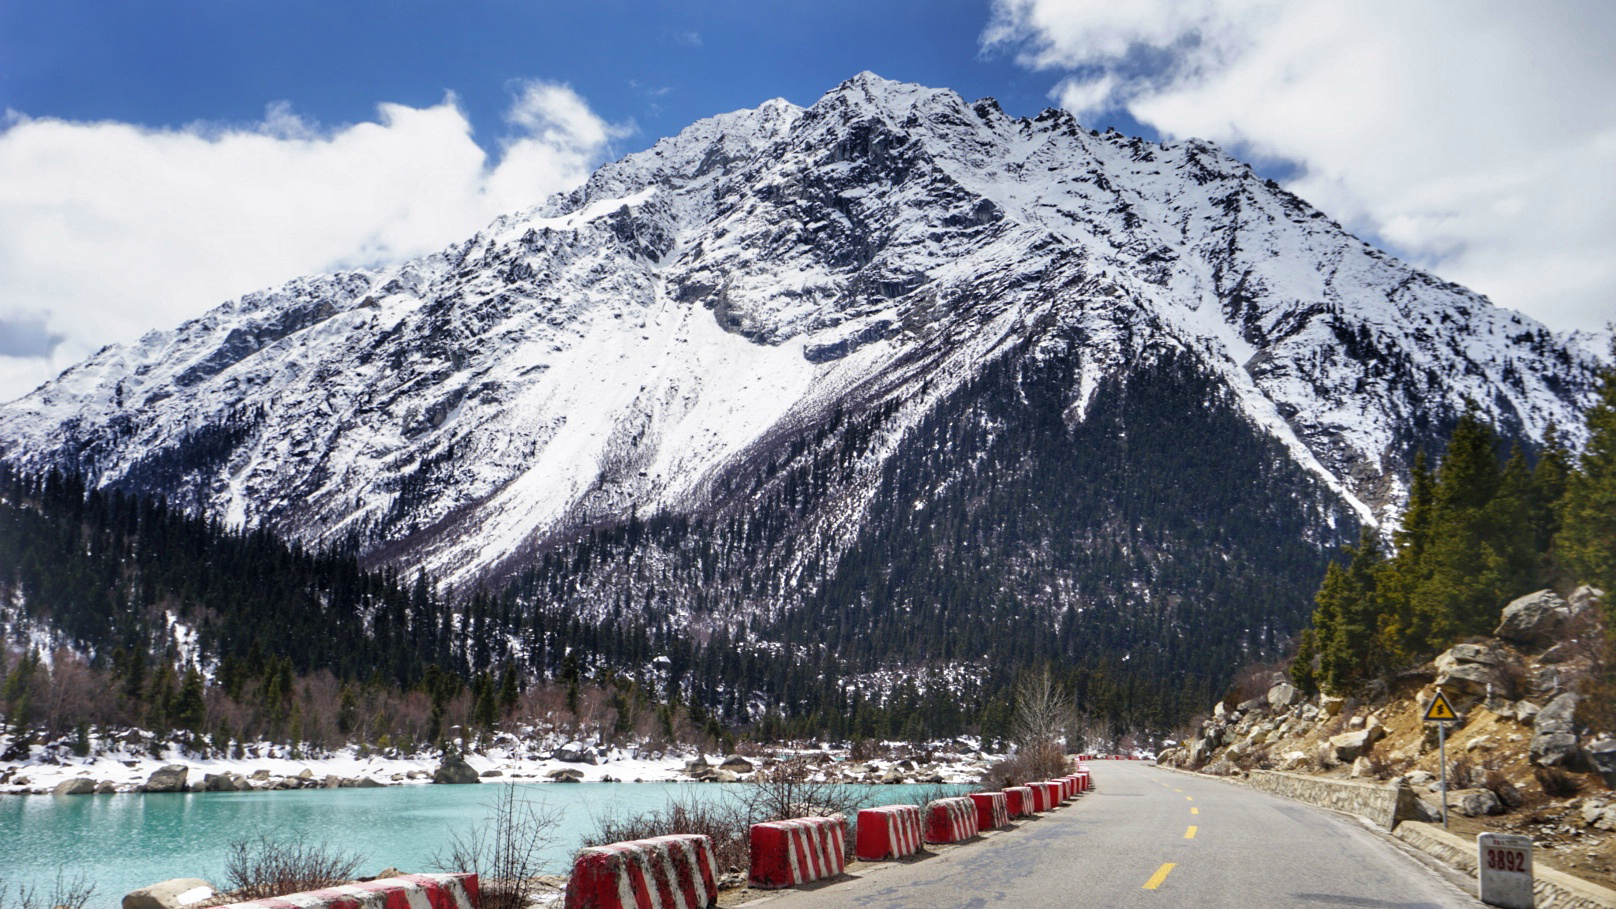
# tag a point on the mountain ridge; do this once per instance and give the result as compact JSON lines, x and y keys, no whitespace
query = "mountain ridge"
{"x":751,"y":324}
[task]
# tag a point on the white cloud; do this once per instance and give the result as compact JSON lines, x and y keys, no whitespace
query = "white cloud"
{"x":1476,"y":139}
{"x":109,"y":229}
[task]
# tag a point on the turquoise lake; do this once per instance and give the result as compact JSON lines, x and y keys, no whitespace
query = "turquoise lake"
{"x":123,"y":842}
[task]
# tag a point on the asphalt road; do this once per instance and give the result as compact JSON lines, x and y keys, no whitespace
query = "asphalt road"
{"x":1154,"y":839}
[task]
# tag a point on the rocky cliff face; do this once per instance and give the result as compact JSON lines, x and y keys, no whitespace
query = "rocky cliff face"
{"x":1048,"y":365}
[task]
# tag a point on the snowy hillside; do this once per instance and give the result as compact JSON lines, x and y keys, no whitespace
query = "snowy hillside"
{"x":741,"y":292}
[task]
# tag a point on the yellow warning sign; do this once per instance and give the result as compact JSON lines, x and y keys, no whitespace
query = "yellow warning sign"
{"x":1439,"y":710}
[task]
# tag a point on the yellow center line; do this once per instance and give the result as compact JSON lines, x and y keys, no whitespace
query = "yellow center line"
{"x":1194,"y":810}
{"x":1178,"y":790}
{"x":1190,"y":833}
{"x":1160,"y":875}
{"x":1189,"y":798}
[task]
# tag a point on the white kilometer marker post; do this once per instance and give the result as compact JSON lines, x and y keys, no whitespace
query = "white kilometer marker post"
{"x":1504,"y":870}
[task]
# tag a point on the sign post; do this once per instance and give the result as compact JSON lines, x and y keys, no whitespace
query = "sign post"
{"x":1440,"y":712}
{"x":1504,"y":870}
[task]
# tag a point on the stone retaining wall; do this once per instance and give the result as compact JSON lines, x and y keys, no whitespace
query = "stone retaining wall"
{"x":1380,"y":803}
{"x":1551,"y":889}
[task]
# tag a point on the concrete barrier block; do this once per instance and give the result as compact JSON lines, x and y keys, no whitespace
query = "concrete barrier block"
{"x":1055,"y":795}
{"x":992,"y":810}
{"x":410,"y":891}
{"x":1020,"y":801}
{"x":888,"y":832}
{"x":663,"y":871}
{"x":796,"y":851}
{"x":950,"y":820}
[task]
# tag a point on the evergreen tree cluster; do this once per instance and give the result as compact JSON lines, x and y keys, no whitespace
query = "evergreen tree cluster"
{"x":1479,"y":530}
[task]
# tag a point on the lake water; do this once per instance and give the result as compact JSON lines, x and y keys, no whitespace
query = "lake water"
{"x":123,"y":842}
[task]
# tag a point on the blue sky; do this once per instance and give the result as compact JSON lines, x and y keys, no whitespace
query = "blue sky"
{"x":162,"y":156}
{"x":657,"y":66}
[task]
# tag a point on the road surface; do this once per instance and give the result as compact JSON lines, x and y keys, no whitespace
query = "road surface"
{"x":1148,"y":838}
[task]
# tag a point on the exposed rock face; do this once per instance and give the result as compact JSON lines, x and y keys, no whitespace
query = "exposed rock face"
{"x":1535,"y":619}
{"x":453,"y":770}
{"x":168,"y":779}
{"x":1554,"y":738}
{"x":171,"y":894}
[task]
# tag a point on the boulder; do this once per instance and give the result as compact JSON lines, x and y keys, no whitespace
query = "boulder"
{"x":723,"y":776}
{"x":1554,"y":733}
{"x":1534,"y":619}
{"x":453,"y":770}
{"x":1469,"y":670}
{"x":1349,"y":746}
{"x":1330,"y":704}
{"x":172,"y":894}
{"x":221,"y":782}
{"x":1602,"y":755}
{"x":367,"y":782}
{"x":576,"y":753}
{"x":1584,"y":598}
{"x":1293,"y":760}
{"x":566,"y":775}
{"x":1255,"y":704}
{"x":737,"y":764}
{"x":696,"y":765}
{"x":1361,"y":769}
{"x":1526,"y":711}
{"x":106,"y":787}
{"x":80,"y":785}
{"x":1474,"y":802}
{"x":1283,"y":696}
{"x":168,"y":779}
{"x":488,"y":773}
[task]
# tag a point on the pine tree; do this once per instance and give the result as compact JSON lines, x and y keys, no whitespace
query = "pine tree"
{"x":1587,"y":541}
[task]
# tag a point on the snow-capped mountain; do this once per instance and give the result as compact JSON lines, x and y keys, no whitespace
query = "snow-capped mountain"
{"x":774,"y":317}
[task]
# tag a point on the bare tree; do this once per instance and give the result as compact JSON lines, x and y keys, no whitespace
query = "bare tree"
{"x":505,"y":850}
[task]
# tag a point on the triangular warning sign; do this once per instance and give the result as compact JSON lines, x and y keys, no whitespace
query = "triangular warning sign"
{"x":1439,"y":710}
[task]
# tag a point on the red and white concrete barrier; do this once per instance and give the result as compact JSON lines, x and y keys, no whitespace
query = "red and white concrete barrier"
{"x":787,"y":853}
{"x":888,"y":832}
{"x":1057,"y":791}
{"x":410,"y":891}
{"x":950,"y":820}
{"x":1040,"y":797}
{"x":992,"y":810}
{"x":664,"y":872}
{"x":1019,"y":801}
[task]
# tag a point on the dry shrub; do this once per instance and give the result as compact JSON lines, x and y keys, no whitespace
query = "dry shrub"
{"x":1556,"y":783}
{"x":1037,"y":762}
{"x":269,"y":866}
{"x":505,"y":850}
{"x":725,"y":824}
{"x":66,"y":893}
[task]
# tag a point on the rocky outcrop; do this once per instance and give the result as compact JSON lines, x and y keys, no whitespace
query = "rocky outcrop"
{"x":1470,"y":672}
{"x":77,"y":786}
{"x":1535,"y":619}
{"x":1554,"y":734}
{"x":737,"y":764}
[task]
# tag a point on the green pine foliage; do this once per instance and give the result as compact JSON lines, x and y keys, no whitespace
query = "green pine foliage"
{"x":1478,"y":531}
{"x":1586,"y":545}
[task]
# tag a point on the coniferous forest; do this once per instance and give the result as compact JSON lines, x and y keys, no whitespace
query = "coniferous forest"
{"x":1482,"y":527}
